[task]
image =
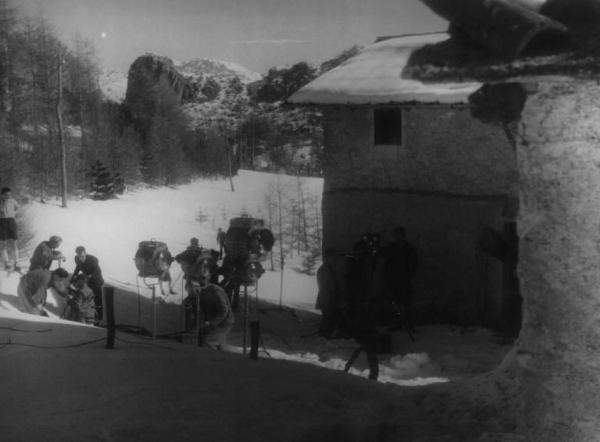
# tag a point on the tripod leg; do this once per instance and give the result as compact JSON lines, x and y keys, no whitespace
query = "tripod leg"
{"x":352,"y":358}
{"x":373,"y":366}
{"x":199,"y":332}
{"x":154,"y":319}
{"x":245,"y":319}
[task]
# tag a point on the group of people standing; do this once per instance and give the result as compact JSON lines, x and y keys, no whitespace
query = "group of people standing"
{"x":81,"y":290}
{"x":371,"y":286}
{"x":371,"y":274}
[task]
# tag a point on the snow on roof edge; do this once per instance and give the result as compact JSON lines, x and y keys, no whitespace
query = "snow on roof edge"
{"x":345,"y":99}
{"x":374,"y":76}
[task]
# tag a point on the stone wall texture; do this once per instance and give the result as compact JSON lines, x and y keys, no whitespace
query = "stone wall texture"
{"x":559,"y":265}
{"x":449,"y":180}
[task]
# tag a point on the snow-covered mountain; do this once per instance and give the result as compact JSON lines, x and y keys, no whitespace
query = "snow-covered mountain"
{"x":219,"y":96}
{"x":220,"y":70}
{"x":113,"y":85}
{"x":219,"y":90}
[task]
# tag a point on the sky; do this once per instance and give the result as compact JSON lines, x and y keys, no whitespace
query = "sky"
{"x":257,"y":34}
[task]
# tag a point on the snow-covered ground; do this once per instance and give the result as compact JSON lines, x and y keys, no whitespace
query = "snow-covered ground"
{"x":60,"y":370}
{"x":111,"y":230}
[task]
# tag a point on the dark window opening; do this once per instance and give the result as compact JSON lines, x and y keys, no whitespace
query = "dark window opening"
{"x":388,"y":126}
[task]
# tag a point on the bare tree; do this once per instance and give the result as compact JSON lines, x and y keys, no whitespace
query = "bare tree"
{"x":7,"y":23}
{"x":61,"y":137}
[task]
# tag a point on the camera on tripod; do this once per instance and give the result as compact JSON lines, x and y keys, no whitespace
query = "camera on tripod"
{"x":247,"y":241}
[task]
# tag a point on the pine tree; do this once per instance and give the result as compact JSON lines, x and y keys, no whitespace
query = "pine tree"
{"x":102,"y":182}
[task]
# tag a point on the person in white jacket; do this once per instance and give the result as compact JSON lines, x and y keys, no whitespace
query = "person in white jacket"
{"x":33,"y":285}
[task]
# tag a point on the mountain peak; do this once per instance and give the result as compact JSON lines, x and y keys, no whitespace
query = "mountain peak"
{"x":214,"y":67}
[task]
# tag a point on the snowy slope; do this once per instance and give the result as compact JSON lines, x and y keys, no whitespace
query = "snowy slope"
{"x":111,"y":230}
{"x":61,"y":384}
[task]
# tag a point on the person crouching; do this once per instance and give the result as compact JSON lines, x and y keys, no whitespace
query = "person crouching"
{"x":81,"y":306}
{"x":33,"y":285}
{"x":208,"y":302}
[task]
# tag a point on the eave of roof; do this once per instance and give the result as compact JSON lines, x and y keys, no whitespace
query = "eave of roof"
{"x":374,"y":76}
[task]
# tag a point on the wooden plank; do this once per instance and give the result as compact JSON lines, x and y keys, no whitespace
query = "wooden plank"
{"x":109,"y":310}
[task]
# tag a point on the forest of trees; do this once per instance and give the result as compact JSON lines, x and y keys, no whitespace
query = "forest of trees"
{"x":54,"y":118}
{"x":33,"y":61}
{"x":50,"y":98}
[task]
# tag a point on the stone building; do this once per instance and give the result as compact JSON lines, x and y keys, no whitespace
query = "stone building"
{"x":399,"y":152}
{"x":538,"y":64}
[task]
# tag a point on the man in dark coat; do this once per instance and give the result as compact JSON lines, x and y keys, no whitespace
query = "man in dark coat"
{"x":193,"y":260}
{"x":45,"y":253}
{"x":209,"y":304}
{"x":89,"y":266}
{"x":400,"y":267}
{"x":221,"y":241}
{"x":328,"y":297}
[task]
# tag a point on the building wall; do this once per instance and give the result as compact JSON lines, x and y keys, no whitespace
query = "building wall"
{"x":449,"y":181}
{"x":556,"y":361}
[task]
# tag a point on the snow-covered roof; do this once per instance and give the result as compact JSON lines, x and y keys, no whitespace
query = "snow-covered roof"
{"x":374,"y":76}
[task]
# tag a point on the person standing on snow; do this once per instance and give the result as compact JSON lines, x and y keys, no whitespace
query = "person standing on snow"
{"x":45,"y":253}
{"x":33,"y":285}
{"x":8,"y":228}
{"x":328,"y":297}
{"x":89,"y":266}
{"x":400,"y":267}
{"x":221,"y":242}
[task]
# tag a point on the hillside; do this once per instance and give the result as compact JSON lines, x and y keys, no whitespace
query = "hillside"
{"x":222,"y":71}
{"x":174,"y":215}
{"x":227,"y":105}
{"x":216,"y":100}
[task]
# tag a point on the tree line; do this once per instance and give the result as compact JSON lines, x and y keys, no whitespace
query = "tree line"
{"x":42,"y":78}
{"x":36,"y":71}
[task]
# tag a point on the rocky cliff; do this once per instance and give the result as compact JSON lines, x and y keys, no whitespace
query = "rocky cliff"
{"x":213,"y":96}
